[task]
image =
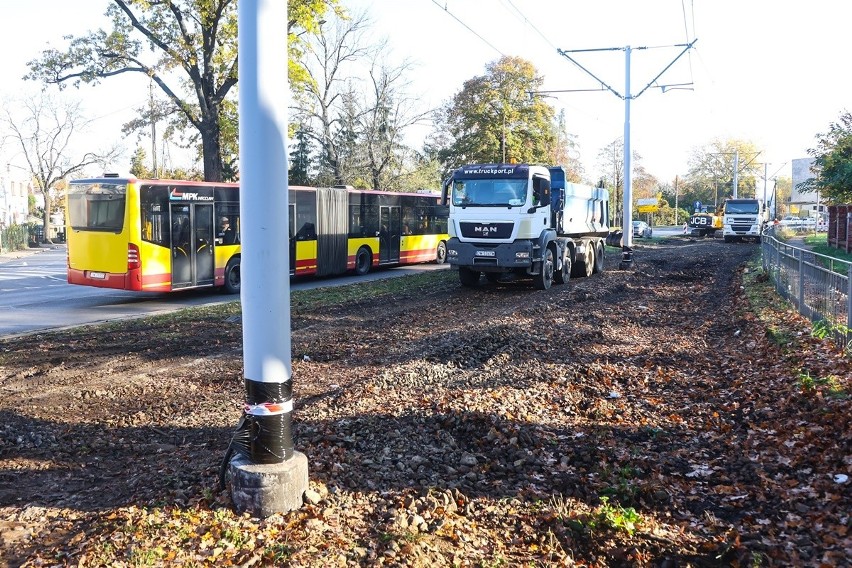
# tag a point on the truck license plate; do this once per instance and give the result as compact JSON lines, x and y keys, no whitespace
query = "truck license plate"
{"x":485,"y":253}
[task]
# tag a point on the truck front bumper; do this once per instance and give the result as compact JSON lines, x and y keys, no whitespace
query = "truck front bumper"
{"x":741,"y":230}
{"x":490,"y":258}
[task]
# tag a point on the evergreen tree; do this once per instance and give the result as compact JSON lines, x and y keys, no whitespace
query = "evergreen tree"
{"x":137,"y":164}
{"x":301,"y":160}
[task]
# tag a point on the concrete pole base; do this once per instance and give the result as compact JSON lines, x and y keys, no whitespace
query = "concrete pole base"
{"x":266,"y":489}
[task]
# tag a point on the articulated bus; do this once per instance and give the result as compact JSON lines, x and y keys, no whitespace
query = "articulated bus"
{"x":165,"y":235}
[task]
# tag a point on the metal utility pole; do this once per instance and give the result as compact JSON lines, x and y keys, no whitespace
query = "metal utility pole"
{"x":766,"y":179}
{"x":765,"y":168}
{"x":676,"y":219}
{"x":153,"y":129}
{"x":503,"y":144}
{"x":267,"y":475}
{"x":736,"y":171}
{"x":627,"y":239}
{"x":627,"y":224}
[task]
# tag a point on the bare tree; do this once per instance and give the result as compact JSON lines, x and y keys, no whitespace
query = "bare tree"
{"x":328,"y":98}
{"x":45,"y":129}
{"x":357,"y":107}
{"x":611,"y":162}
{"x":389,"y":111}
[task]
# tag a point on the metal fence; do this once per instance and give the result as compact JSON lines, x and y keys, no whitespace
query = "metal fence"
{"x":819,"y":286}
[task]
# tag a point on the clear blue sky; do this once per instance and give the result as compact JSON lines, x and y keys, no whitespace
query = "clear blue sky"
{"x":762,"y":70}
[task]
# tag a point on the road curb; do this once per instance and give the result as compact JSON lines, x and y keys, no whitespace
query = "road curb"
{"x":19,"y":254}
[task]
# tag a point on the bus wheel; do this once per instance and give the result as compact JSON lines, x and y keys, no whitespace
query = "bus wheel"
{"x":363,"y":261}
{"x":441,"y":253}
{"x":232,"y":276}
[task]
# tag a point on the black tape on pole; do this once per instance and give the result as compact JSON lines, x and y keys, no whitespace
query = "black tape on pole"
{"x":271,"y":439}
{"x":269,"y":411}
{"x":258,"y":393}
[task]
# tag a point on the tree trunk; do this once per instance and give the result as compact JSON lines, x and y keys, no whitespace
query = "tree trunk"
{"x":211,"y":148}
{"x":48,"y":206}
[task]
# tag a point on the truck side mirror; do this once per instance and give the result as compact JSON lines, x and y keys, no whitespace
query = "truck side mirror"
{"x":541,"y":192}
{"x":445,"y":191}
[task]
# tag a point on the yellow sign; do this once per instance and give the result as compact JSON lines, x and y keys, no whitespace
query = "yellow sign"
{"x":648,"y":208}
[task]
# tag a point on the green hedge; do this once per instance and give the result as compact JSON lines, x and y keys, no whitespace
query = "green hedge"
{"x":14,"y":237}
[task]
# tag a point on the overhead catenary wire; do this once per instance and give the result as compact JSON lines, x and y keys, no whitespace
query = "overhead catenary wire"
{"x":530,"y":24}
{"x":444,"y":8}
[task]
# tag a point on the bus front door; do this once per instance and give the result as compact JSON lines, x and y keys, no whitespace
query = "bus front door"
{"x":390,"y":218}
{"x":292,"y":219}
{"x":192,"y":245}
{"x":204,"y":232}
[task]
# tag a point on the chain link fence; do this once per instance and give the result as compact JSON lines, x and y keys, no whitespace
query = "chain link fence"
{"x":819,"y":286}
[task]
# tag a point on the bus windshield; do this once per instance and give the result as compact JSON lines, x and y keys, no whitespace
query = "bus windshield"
{"x":97,"y":206}
{"x":489,"y":192}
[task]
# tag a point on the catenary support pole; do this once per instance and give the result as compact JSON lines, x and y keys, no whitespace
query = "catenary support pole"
{"x":267,"y":475}
{"x":736,"y":181}
{"x":627,"y":229}
{"x":677,"y":221}
{"x":765,"y":171}
{"x":627,"y":238}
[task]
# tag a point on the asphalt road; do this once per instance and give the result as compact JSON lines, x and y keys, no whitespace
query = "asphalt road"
{"x":34,"y":294}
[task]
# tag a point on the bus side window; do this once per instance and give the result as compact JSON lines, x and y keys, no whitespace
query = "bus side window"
{"x":306,"y":233}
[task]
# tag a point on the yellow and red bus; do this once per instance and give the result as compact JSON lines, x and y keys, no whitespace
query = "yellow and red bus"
{"x":166,"y":235}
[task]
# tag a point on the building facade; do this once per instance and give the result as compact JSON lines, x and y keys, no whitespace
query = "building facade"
{"x":14,"y":199}
{"x":805,"y":203}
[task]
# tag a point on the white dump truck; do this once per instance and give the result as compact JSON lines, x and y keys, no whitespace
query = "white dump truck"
{"x":524,"y":220}
{"x":743,"y":219}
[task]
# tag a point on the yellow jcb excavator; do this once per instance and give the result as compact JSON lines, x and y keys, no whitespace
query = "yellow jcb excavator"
{"x":705,"y":221}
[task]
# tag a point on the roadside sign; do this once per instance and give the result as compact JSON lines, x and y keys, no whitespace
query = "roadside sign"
{"x":649,"y":205}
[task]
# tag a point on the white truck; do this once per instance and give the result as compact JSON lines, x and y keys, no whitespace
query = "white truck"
{"x":520,"y":219}
{"x":743,"y":219}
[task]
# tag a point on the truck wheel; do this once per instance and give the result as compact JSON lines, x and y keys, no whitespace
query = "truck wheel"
{"x":562,"y":276}
{"x":363,"y":261}
{"x":232,"y":276}
{"x":544,"y":278}
{"x":468,"y":277}
{"x":441,"y":253}
{"x":586,"y":265}
{"x":599,"y":257}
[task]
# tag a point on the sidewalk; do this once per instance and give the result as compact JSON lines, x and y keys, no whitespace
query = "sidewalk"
{"x":16,"y":254}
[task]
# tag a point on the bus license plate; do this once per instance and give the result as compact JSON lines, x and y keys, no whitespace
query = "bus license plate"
{"x":97,"y":275}
{"x":485,"y":253}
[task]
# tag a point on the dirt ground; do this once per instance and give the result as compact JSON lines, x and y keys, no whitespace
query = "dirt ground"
{"x":635,"y":418}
